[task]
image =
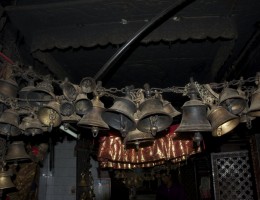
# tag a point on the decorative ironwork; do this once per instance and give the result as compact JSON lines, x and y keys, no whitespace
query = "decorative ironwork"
{"x":232,"y":176}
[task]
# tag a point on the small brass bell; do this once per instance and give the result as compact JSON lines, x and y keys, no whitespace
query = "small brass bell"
{"x":138,"y":138}
{"x":16,"y":152}
{"x":233,"y":100}
{"x":41,"y":95}
{"x":9,"y":123}
{"x":169,"y":109}
{"x":32,"y":126}
{"x":87,"y":85}
{"x":92,"y":119}
{"x":5,"y":179}
{"x":70,"y":91}
{"x":8,"y":88}
{"x":67,"y":108}
{"x":121,"y":115}
{"x":82,"y":104}
{"x":83,"y":182}
{"x":222,"y":121}
{"x":23,"y":103}
{"x":49,"y":115}
{"x":254,"y":109}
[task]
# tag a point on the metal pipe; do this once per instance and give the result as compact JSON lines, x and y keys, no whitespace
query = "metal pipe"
{"x":147,"y":28}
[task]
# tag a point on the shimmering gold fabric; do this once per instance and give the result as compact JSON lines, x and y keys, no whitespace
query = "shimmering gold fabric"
{"x":112,"y":152}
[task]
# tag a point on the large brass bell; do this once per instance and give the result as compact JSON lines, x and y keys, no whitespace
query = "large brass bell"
{"x":5,"y":179}
{"x":254,"y":109}
{"x":8,"y":88}
{"x":49,"y":115}
{"x":9,"y":123}
{"x":32,"y":126}
{"x":41,"y":95}
{"x":233,"y":100}
{"x":92,"y":119}
{"x":222,"y":121}
{"x":82,"y":104}
{"x":16,"y":152}
{"x":153,"y":118}
{"x":194,"y":117}
{"x":138,"y":138}
{"x":121,"y":115}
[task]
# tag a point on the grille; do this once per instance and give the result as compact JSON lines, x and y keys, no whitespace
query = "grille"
{"x":232,"y":176}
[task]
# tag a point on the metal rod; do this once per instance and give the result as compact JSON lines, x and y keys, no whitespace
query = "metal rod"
{"x":147,"y":28}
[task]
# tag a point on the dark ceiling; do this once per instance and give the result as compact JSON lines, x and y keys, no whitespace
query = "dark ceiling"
{"x":211,"y":41}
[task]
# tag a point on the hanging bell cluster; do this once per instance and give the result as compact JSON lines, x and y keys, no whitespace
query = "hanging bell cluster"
{"x":139,"y":115}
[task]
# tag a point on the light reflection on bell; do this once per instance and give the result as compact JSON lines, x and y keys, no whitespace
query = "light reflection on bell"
{"x":8,"y":88}
{"x":5,"y":179}
{"x":121,"y":115}
{"x":194,"y":117}
{"x":153,"y":118}
{"x":49,"y":115}
{"x":32,"y":126}
{"x":137,"y":138}
{"x":16,"y":152}
{"x":222,"y":121}
{"x":254,"y":109}
{"x":9,"y":122}
{"x":233,"y":100}
{"x":92,"y":119}
{"x":41,"y":95}
{"x":82,"y":104}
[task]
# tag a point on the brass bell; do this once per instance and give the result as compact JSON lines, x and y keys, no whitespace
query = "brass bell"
{"x":16,"y":152}
{"x":23,"y":103}
{"x":74,"y":118}
{"x":254,"y":109}
{"x":194,"y":117}
{"x":41,"y":95}
{"x":8,"y":88}
{"x":169,"y":109}
{"x":49,"y":115}
{"x":153,"y":118}
{"x":67,"y":108}
{"x":70,"y":91}
{"x":87,"y":85}
{"x":222,"y":121}
{"x":92,"y":119}
{"x":121,"y":115}
{"x":9,"y":123}
{"x":137,"y":138}
{"x":83,"y":182}
{"x":233,"y":100}
{"x":82,"y":104}
{"x":32,"y":126}
{"x":5,"y":179}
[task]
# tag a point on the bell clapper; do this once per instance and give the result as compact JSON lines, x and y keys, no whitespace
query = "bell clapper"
{"x":94,"y":131}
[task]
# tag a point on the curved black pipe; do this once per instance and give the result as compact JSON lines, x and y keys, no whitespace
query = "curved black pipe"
{"x":147,"y":28}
